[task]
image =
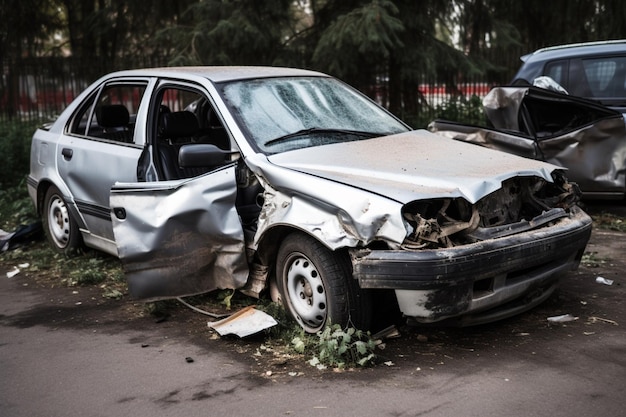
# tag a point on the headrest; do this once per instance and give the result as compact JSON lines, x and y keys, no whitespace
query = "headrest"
{"x":112,"y":115}
{"x":179,"y":124}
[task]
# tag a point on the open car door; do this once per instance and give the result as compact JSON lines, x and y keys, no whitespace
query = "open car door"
{"x":179,"y":238}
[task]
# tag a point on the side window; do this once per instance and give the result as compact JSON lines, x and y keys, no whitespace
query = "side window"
{"x":185,"y":116}
{"x":110,"y":113}
{"x":557,"y":70}
{"x":606,"y":76}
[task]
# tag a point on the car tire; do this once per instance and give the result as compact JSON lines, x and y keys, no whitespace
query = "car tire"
{"x":316,"y":285}
{"x":60,"y":227}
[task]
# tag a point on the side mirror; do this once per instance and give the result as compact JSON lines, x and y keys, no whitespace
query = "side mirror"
{"x":202,"y":155}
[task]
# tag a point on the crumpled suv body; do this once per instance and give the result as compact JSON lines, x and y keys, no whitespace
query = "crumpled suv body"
{"x":583,"y":136}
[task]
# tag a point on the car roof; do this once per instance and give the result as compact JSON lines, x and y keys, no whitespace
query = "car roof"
{"x":220,"y":73}
{"x":577,"y":49}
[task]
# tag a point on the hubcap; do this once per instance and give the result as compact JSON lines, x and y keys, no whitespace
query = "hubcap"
{"x":306,"y":292}
{"x":59,"y":222}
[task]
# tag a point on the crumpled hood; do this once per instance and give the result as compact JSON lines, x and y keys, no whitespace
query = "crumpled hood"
{"x":413,"y":165}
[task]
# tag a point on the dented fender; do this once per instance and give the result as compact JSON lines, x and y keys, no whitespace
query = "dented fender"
{"x":354,"y":225}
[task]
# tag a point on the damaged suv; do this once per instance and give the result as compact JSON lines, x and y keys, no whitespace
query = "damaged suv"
{"x":292,"y":183}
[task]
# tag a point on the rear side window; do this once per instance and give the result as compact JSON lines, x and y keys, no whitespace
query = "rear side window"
{"x":557,"y":70}
{"x":110,"y":113}
{"x":606,"y":76}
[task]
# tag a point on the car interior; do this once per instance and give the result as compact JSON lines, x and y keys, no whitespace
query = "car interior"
{"x":196,"y":123}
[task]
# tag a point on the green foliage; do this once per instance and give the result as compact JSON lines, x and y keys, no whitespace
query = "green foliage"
{"x":91,"y":271}
{"x":592,"y":260}
{"x":370,"y":31}
{"x":214,"y":32}
{"x":15,"y":140}
{"x":225,"y":297}
{"x":361,"y":41}
{"x":609,"y":221}
{"x":91,"y":268}
{"x":278,"y":312}
{"x":337,"y":348}
{"x":16,"y":207}
{"x":460,"y":109}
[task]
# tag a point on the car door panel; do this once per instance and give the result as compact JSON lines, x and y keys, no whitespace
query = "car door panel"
{"x":179,"y":238}
{"x":90,"y":168}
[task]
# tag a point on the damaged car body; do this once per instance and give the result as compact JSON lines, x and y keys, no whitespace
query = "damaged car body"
{"x":587,"y":138}
{"x":291,"y":183}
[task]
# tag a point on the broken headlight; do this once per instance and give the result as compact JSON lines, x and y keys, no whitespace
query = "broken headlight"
{"x":448,"y":222}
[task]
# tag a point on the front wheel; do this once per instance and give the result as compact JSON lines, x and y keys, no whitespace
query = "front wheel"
{"x":59,"y":225}
{"x":316,"y":285}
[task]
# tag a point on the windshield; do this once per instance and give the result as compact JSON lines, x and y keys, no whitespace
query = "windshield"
{"x":282,"y":114}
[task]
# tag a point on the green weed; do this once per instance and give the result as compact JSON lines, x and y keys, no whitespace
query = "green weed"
{"x":591,"y":260}
{"x":609,"y":221}
{"x":337,"y":348}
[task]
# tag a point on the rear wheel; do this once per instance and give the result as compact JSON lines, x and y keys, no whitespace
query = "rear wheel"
{"x":59,"y":225}
{"x":316,"y":285}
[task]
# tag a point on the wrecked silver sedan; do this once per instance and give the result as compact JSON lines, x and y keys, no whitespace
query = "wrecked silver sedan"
{"x":587,"y":138}
{"x":289,"y":182}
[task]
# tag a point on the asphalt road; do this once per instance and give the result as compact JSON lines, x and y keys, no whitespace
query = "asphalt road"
{"x":67,"y":352}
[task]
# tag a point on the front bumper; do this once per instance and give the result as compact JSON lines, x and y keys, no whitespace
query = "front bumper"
{"x":484,"y":281}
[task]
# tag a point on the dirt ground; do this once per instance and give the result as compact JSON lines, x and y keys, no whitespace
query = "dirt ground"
{"x":598,"y":310}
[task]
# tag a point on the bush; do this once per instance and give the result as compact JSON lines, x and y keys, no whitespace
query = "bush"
{"x":461,"y":110}
{"x":15,"y":151}
{"x":16,"y":207}
{"x":457,"y":109}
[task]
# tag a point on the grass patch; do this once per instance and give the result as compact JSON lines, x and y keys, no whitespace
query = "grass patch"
{"x":592,"y":260}
{"x":91,"y":268}
{"x":609,"y":221}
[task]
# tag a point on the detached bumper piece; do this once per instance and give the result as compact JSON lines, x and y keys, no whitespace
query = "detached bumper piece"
{"x":479,"y":282}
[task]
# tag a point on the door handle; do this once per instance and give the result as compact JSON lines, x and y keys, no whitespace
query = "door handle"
{"x":119,"y":212}
{"x":67,"y":153}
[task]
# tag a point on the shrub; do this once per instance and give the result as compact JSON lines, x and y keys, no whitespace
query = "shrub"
{"x":16,"y":207}
{"x":15,"y":139}
{"x":461,"y":110}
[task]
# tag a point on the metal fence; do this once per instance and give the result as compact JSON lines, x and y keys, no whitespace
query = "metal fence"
{"x":39,"y":89}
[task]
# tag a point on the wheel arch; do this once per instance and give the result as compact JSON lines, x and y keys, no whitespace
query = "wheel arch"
{"x":269,"y":243}
{"x":42,"y":188}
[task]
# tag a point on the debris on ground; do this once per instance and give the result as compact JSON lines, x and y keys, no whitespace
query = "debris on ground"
{"x":562,"y":318}
{"x":245,"y":322}
{"x":595,"y":319}
{"x":602,"y":280}
{"x":16,"y":270}
{"x":390,"y":332}
{"x":23,"y":234}
{"x":13,"y":272}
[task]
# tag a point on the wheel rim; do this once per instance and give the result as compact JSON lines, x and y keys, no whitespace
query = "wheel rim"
{"x":306,"y":292}
{"x":59,"y":222}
